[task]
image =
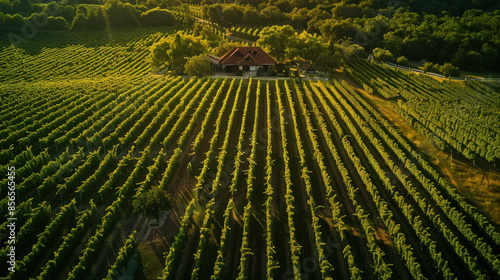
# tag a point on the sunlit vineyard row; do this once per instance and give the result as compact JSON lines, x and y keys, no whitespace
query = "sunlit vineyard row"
{"x":84,"y":54}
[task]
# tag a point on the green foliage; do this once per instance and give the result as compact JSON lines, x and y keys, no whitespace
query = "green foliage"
{"x":120,"y":14}
{"x":430,"y":67}
{"x":91,"y":18}
{"x":157,"y":17}
{"x":22,"y":6}
{"x":449,"y":70}
{"x":307,"y":46}
{"x":451,"y":118}
{"x":402,"y":61}
{"x":198,"y":66}
{"x":231,"y":14}
{"x":124,"y":255}
{"x":383,"y":55}
{"x":208,"y":33}
{"x":5,"y":7}
{"x":465,"y":34}
{"x":276,"y":40}
{"x":344,"y":10}
{"x":338,"y":31}
{"x":271,"y":15}
{"x":115,"y":118}
{"x":349,"y":53}
{"x":152,"y":202}
{"x":13,"y":21}
{"x":174,"y":51}
{"x":224,"y":47}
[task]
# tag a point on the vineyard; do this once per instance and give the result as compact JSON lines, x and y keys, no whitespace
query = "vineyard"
{"x":269,"y":179}
{"x":460,"y":117}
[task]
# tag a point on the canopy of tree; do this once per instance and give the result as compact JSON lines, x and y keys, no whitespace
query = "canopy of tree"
{"x":464,"y":33}
{"x":152,"y":202}
{"x":198,"y":66}
{"x":94,"y":14}
{"x":174,"y":51}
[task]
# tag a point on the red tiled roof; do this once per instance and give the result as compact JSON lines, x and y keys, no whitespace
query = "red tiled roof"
{"x":246,"y":56}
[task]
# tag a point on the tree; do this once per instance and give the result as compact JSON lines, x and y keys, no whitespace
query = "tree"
{"x":67,"y":12}
{"x":251,"y":16}
{"x":174,"y":51}
{"x":232,"y":14}
{"x":332,"y":58}
{"x":208,"y":33}
{"x":402,"y":61}
{"x":343,"y":10}
{"x":22,"y":6}
{"x":88,"y":19}
{"x":490,"y":56}
{"x":157,"y":17}
{"x":119,"y":14}
{"x":198,"y":66}
{"x":430,"y":67}
{"x":13,"y":21}
{"x":56,"y":23}
{"x":474,"y":60}
{"x":152,"y":202}
{"x":351,"y":52}
{"x":224,"y":47}
{"x":277,"y":40}
{"x":308,"y":46}
{"x":213,"y":13}
{"x":334,"y":31}
{"x":299,"y":16}
{"x":5,"y":7}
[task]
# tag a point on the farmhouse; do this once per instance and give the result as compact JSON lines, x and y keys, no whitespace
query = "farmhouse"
{"x":252,"y":60}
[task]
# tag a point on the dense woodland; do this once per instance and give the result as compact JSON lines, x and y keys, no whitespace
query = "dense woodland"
{"x":125,"y":169}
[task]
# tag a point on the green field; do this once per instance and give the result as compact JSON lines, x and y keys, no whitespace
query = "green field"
{"x":267,"y":178}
